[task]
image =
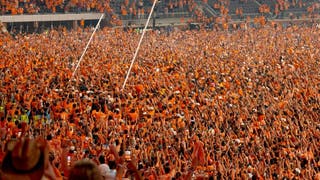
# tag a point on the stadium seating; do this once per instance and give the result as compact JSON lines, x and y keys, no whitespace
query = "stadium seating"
{"x":136,"y":9}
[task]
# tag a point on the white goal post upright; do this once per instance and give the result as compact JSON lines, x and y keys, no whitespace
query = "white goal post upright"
{"x":137,"y":50}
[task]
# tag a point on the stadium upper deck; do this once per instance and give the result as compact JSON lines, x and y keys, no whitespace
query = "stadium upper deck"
{"x":128,"y":9}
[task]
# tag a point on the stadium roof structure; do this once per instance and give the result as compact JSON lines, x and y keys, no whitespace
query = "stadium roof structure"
{"x":49,"y":17}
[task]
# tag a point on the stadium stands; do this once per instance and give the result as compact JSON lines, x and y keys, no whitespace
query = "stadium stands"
{"x":275,"y":7}
{"x":238,"y":101}
{"x":139,"y":9}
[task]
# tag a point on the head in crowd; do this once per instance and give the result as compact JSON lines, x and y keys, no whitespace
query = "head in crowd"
{"x":85,"y":170}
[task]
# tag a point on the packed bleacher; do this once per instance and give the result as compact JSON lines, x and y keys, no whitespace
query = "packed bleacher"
{"x":135,"y":9}
{"x":53,"y":6}
{"x":240,"y":104}
{"x":268,"y":6}
{"x":124,"y":8}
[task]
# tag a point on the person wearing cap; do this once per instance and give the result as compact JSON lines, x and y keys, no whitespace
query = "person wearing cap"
{"x":27,"y":159}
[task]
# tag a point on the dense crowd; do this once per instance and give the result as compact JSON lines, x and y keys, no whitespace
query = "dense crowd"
{"x":267,"y":6}
{"x":232,"y":105}
{"x":128,"y":7}
{"x":57,"y":6}
{"x":140,"y":8}
{"x":116,"y":10}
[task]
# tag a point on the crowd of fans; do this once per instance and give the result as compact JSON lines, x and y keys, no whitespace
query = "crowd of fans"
{"x":267,"y":6}
{"x":236,"y":105}
{"x":139,"y":8}
{"x":116,"y":10}
{"x":53,"y":6}
{"x":127,"y":7}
